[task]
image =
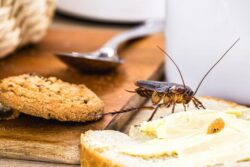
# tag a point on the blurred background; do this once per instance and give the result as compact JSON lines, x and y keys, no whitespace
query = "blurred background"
{"x":112,"y":11}
{"x":196,"y":33}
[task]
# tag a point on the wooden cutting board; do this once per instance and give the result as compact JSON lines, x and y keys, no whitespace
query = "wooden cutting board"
{"x":49,"y":140}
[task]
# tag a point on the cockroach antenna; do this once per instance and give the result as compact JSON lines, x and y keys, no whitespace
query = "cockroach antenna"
{"x":174,"y":64}
{"x":157,"y":90}
{"x":215,"y":65}
{"x":125,"y":110}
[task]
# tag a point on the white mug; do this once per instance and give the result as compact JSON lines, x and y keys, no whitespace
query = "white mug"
{"x":198,"y":32}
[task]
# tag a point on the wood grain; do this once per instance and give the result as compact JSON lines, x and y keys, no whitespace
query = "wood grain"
{"x":5,"y":162}
{"x":48,"y":140}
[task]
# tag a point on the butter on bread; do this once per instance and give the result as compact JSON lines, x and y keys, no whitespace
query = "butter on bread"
{"x":50,"y":98}
{"x":163,"y":143}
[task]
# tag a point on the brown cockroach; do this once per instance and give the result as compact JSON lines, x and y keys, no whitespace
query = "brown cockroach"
{"x":169,"y":94}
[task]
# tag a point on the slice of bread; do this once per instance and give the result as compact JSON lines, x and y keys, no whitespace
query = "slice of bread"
{"x":50,"y":98}
{"x":101,"y":148}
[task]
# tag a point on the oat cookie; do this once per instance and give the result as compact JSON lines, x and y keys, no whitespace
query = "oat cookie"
{"x":50,"y":98}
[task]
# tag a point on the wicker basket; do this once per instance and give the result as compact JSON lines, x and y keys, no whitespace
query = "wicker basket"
{"x":23,"y":22}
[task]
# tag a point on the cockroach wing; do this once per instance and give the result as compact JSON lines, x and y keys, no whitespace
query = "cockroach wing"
{"x":157,"y":86}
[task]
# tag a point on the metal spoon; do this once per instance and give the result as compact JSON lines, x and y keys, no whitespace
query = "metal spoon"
{"x":106,"y":58}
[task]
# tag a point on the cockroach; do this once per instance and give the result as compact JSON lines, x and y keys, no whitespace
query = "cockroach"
{"x":169,"y":94}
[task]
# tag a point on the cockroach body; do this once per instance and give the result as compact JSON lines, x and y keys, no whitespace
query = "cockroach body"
{"x":169,"y":94}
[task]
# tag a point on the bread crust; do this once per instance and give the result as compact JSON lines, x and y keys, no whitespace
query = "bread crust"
{"x":229,"y":103}
{"x":50,"y":98}
{"x":90,"y":157}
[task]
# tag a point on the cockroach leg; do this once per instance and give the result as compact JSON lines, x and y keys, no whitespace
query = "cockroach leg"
{"x":202,"y":106}
{"x":173,"y":107}
{"x":169,"y":104}
{"x":154,"y":112}
{"x":185,"y":108}
{"x":199,"y":103}
{"x":195,"y":104}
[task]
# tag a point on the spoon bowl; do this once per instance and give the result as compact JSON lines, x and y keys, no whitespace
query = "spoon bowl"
{"x":90,"y":62}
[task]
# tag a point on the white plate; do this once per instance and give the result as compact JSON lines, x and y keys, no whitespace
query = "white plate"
{"x":121,"y":11}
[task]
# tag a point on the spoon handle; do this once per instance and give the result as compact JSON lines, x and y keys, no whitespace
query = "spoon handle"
{"x":149,"y":27}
